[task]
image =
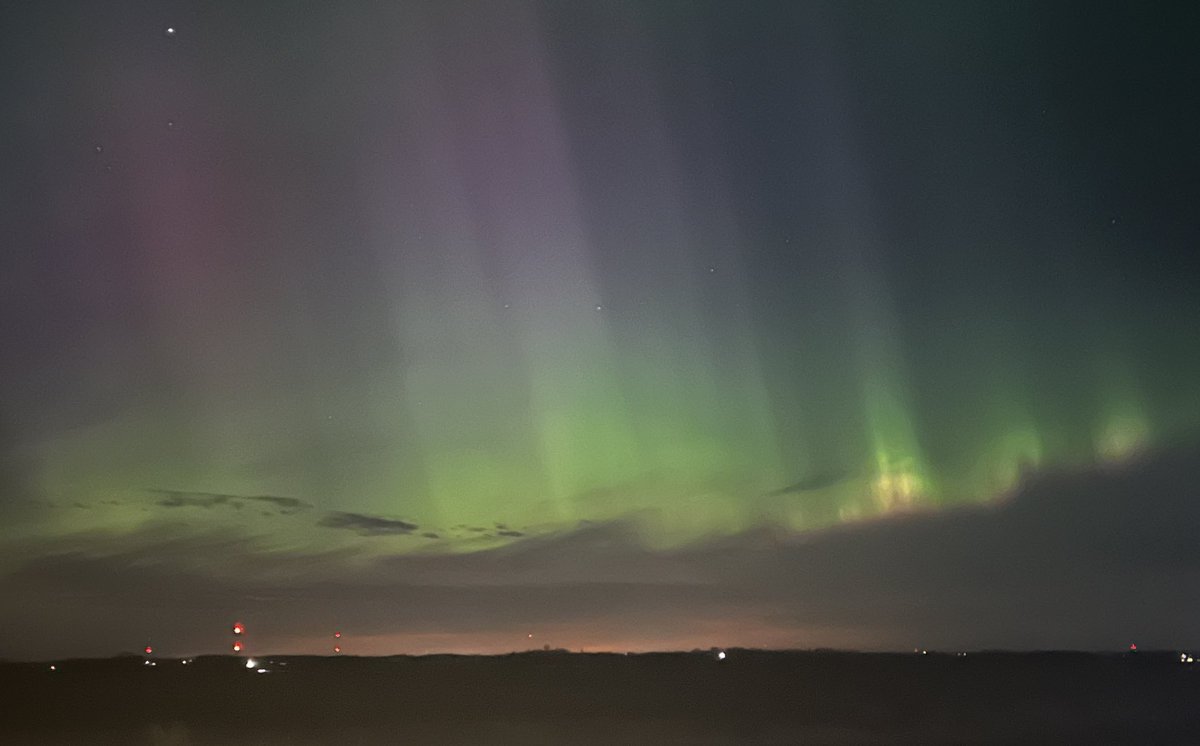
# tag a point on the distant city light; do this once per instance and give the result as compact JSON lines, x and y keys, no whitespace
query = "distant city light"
{"x":721,"y":655}
{"x":251,"y":663}
{"x":261,"y":670}
{"x":53,"y":667}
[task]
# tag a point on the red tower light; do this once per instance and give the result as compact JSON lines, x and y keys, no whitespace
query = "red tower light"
{"x":238,"y":628}
{"x":337,"y":648}
{"x":337,"y":635}
{"x":237,"y":647}
{"x":149,"y":650}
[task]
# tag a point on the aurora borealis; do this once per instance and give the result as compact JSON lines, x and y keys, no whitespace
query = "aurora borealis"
{"x":442,"y":322}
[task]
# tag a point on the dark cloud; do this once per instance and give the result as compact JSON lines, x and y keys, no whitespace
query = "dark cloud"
{"x":509,"y":532}
{"x":287,"y":503}
{"x":367,"y":525}
{"x":180,"y":499}
{"x":1074,"y":559}
{"x":194,"y":500}
{"x":811,"y":484}
{"x":430,"y":535}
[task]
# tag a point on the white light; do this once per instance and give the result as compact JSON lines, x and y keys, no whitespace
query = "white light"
{"x":721,"y":655}
{"x":262,"y":670}
{"x":251,"y":663}
{"x":1189,"y":659}
{"x":170,"y":31}
{"x":53,"y":668}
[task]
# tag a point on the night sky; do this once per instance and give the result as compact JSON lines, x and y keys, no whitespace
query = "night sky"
{"x":602,"y":325}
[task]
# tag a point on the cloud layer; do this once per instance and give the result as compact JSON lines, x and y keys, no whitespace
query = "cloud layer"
{"x":1085,"y":559}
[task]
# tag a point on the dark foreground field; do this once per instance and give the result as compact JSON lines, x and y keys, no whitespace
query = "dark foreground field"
{"x":751,"y":697}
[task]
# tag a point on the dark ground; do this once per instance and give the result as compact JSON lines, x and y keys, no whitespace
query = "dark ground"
{"x":751,"y":697}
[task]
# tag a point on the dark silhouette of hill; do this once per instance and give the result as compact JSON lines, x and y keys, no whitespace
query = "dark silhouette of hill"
{"x":557,"y":697}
